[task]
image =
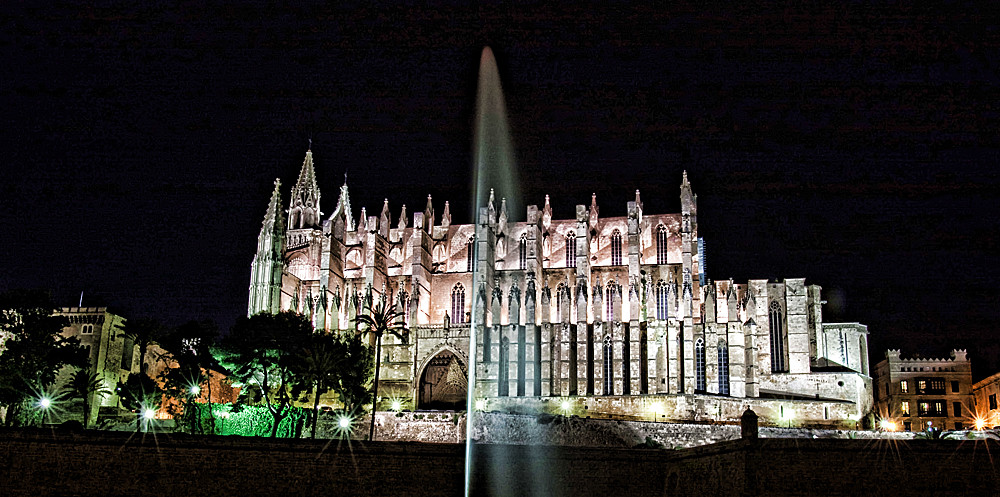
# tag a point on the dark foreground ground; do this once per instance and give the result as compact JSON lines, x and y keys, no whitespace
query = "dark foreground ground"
{"x":46,"y":462}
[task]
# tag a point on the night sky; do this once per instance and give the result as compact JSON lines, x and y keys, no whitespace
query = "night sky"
{"x":855,"y":146}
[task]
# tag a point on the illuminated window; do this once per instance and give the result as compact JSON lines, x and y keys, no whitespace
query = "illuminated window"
{"x":904,"y":386}
{"x":609,"y":384}
{"x":699,"y":365}
{"x":571,"y":249}
{"x":470,"y":256}
{"x":662,"y":293}
{"x":458,"y":304}
{"x":931,"y":385}
{"x":777,"y":339}
{"x":904,"y":408}
{"x":723,"y":369}
{"x":661,"y":244}
{"x":616,"y":248}
{"x":522,"y":252}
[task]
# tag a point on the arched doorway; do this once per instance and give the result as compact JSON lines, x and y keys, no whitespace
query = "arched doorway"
{"x":444,"y":383}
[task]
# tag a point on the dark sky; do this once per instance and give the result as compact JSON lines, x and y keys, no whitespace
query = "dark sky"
{"x":852,"y":145}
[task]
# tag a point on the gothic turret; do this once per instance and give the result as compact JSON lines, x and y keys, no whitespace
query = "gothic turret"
{"x":265,"y":271}
{"x":342,"y":218}
{"x":303,"y":207}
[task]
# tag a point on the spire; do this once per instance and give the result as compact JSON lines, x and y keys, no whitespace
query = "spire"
{"x":428,"y":218}
{"x":446,"y":215}
{"x":265,"y":272}
{"x":363,"y":221}
{"x":491,"y":210}
{"x":303,"y":207}
{"x":593,"y":211}
{"x":687,"y":200}
{"x":546,"y":215}
{"x":273,"y":220}
{"x":502,"y":220}
{"x":384,"y":219}
{"x":402,"y":218}
{"x":344,"y":207}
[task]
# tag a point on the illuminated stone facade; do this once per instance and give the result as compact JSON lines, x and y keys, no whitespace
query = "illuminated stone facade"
{"x":986,"y":395}
{"x":612,"y":312}
{"x":112,"y":355}
{"x":920,"y":393}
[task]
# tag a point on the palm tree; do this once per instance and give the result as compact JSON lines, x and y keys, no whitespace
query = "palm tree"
{"x":143,"y":332}
{"x":83,"y":386}
{"x":381,"y":319}
{"x":316,"y":366}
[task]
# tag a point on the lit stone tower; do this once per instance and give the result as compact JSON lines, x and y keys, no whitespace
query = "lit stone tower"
{"x":304,"y":244}
{"x":265,"y":272}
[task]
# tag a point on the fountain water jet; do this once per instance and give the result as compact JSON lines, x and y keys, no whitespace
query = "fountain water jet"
{"x":494,"y":171}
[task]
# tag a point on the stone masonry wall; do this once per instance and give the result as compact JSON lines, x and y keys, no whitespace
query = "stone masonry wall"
{"x":41,"y":463}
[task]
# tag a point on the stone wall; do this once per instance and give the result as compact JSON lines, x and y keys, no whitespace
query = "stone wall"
{"x":43,"y":462}
{"x":570,"y":431}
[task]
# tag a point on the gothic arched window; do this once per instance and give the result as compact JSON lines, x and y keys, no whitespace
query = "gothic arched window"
{"x":470,"y":256}
{"x":609,"y":377}
{"x":699,"y":365}
{"x":616,"y":248}
{"x":723,"y":369}
{"x":662,"y":300}
{"x":522,"y":252}
{"x":609,"y":301}
{"x":571,"y":249}
{"x":562,"y":302}
{"x":458,"y":304}
{"x":775,"y":321}
{"x":661,"y":244}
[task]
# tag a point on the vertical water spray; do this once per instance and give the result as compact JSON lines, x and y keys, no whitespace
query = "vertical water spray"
{"x":494,"y":168}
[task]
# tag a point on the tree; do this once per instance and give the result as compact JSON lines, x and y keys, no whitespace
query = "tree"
{"x":143,"y":332}
{"x":84,"y":386}
{"x":381,"y":319}
{"x":140,"y":394}
{"x":315,"y":367}
{"x":32,"y":349}
{"x":353,"y":378}
{"x":260,"y":353}
{"x":189,"y":355}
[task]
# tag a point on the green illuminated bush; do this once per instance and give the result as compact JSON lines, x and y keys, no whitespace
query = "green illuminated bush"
{"x":251,"y":421}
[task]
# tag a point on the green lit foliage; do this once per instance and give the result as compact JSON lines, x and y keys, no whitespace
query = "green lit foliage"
{"x":381,"y":319}
{"x":250,"y":421}
{"x":260,"y":352}
{"x":188,"y":354}
{"x":33,"y":350}
{"x":85,"y":387}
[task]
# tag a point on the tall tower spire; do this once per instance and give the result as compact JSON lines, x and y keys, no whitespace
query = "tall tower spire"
{"x":265,"y":271}
{"x":303,"y":207}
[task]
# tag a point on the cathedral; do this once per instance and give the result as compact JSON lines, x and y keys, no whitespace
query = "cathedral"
{"x":601,"y":316}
